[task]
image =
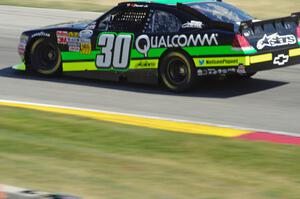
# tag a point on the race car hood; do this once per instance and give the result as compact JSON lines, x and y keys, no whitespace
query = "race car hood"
{"x":76,"y":25}
{"x":43,"y":31}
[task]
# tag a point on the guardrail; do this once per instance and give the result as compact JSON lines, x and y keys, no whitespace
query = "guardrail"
{"x":9,"y":192}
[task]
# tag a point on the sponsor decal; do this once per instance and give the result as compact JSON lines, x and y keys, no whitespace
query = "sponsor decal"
{"x":201,"y":62}
{"x":21,"y":49}
{"x":275,"y":40}
{"x":86,"y":34}
{"x":247,"y":33}
{"x":220,"y":61}
{"x":281,"y":60}
{"x":146,"y":64}
{"x":213,"y":71}
{"x":77,"y":42}
{"x":74,"y":48}
{"x":224,"y":61}
{"x":135,"y":5}
{"x":144,"y":43}
{"x":40,"y":34}
{"x":193,"y":24}
{"x":85,"y":46}
{"x":62,"y":37}
{"x":70,"y":38}
{"x":241,"y":70}
{"x":73,"y":38}
{"x":73,"y":34}
{"x":22,"y":45}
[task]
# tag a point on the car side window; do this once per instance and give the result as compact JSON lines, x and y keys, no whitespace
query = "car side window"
{"x":104,"y":24}
{"x":128,"y":20}
{"x":164,"y":22}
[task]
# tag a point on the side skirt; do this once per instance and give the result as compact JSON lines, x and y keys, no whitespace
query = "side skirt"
{"x":144,"y":76}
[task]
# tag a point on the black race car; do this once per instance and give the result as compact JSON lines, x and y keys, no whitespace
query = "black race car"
{"x":154,"y":42}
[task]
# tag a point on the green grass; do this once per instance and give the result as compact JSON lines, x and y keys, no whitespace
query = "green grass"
{"x":258,"y":8}
{"x":95,"y":160}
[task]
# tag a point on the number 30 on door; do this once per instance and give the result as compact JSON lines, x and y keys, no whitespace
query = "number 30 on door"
{"x":115,"y":50}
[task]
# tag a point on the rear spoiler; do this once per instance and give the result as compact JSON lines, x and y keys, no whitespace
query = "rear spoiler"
{"x":295,"y":17}
{"x":210,"y":23}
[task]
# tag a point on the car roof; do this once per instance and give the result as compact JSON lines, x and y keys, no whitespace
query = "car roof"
{"x":174,"y":2}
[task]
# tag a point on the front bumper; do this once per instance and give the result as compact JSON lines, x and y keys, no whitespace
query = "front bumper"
{"x":22,"y":45}
{"x":19,"y":67}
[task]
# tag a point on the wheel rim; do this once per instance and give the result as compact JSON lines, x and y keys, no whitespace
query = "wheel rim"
{"x":46,"y":56}
{"x":177,"y":71}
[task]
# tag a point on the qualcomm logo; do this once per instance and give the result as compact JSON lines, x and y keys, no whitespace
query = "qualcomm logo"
{"x":281,"y":60}
{"x":275,"y":40}
{"x":144,"y":42}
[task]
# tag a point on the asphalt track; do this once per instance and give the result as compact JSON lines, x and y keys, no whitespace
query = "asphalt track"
{"x":270,"y":101}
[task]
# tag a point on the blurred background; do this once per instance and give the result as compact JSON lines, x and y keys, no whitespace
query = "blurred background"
{"x":258,"y":8}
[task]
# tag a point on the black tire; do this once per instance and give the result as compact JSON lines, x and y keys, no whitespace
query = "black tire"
{"x":45,"y":57}
{"x":177,"y":72}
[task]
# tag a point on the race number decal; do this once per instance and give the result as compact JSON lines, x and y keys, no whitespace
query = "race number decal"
{"x":115,"y":50}
{"x":106,"y":43}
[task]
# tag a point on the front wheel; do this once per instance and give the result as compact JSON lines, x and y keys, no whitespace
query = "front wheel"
{"x":177,"y":72}
{"x":45,"y":57}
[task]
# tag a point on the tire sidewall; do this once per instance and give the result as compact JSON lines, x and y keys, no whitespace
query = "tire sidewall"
{"x":164,"y":76}
{"x":56,"y":69}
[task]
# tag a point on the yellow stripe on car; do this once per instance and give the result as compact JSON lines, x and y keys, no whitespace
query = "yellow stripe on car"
{"x":154,"y":63}
{"x":79,"y":66}
{"x":294,"y":52}
{"x":91,"y":65}
{"x":261,"y":58}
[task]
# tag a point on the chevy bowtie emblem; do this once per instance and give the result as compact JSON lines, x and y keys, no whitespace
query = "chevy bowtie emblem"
{"x":281,"y":60}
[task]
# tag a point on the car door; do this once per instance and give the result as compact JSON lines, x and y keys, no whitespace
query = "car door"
{"x":163,"y":25}
{"x":116,"y":33}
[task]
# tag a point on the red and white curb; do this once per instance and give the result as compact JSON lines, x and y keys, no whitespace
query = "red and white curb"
{"x":271,"y":137}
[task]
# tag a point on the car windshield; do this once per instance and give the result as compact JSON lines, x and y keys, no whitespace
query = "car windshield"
{"x":222,"y":12}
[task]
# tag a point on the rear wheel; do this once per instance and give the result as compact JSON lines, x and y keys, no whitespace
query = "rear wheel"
{"x":177,"y":72}
{"x":45,"y":57}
